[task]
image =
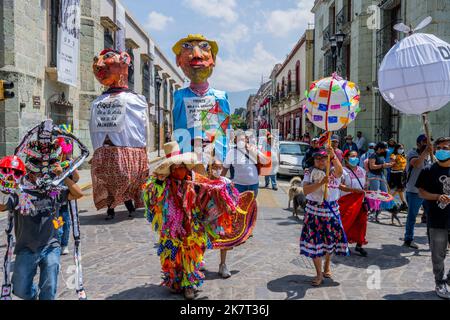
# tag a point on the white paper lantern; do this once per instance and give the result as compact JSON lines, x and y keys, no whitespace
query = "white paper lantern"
{"x":414,"y":77}
{"x":332,"y":103}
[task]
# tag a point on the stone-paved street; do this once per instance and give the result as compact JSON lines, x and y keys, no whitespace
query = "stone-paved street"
{"x":120,"y":261}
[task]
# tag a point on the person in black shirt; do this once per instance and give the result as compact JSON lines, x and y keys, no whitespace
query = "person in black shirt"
{"x":434,"y":187}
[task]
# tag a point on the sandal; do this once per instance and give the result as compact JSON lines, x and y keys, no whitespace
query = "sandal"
{"x":327,"y":274}
{"x":317,"y":281}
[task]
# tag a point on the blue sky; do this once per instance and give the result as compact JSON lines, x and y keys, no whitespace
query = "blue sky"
{"x":253,"y":35}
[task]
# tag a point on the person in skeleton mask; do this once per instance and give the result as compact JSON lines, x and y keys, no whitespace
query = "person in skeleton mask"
{"x":118,"y":130}
{"x":34,"y":209}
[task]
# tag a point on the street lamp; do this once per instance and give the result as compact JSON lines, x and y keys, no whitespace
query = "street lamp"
{"x":158,"y":82}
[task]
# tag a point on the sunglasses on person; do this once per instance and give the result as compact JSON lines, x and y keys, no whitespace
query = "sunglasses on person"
{"x":17,"y":173}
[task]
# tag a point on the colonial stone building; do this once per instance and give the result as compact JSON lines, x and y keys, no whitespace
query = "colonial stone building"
{"x":28,"y":40}
{"x":290,"y":80}
{"x":368,"y":29}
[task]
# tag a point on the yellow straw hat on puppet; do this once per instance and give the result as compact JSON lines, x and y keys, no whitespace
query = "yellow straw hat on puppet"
{"x":195,"y":37}
{"x":174,"y":156}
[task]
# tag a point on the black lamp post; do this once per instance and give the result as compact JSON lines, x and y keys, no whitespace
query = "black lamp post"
{"x":158,"y":82}
{"x":336,"y":42}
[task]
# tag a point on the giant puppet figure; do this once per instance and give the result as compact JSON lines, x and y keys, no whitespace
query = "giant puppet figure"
{"x":119,"y":136}
{"x":199,"y":109}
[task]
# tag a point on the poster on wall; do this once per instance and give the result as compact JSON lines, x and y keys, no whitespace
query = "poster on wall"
{"x":68,"y":42}
{"x":120,"y":21}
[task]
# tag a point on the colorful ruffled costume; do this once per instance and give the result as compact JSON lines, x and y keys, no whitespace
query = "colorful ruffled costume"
{"x":188,"y":216}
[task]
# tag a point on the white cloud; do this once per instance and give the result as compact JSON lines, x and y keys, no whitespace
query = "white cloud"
{"x":229,"y":40}
{"x":281,"y":22}
{"x":224,"y":9}
{"x":237,"y":73}
{"x":158,"y":21}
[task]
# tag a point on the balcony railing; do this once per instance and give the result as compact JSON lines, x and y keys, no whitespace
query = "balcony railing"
{"x":386,"y":38}
{"x":342,"y":18}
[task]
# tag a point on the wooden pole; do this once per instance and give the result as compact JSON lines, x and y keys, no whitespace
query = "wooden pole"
{"x":426,"y":125}
{"x":325,"y":194}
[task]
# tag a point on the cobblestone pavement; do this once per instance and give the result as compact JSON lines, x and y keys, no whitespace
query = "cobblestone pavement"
{"x":120,"y":261}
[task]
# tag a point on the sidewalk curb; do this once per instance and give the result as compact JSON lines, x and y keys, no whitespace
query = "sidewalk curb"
{"x":86,"y":186}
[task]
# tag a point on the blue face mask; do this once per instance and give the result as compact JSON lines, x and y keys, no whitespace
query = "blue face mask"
{"x":353,"y":161}
{"x":371,"y":151}
{"x":443,"y":155}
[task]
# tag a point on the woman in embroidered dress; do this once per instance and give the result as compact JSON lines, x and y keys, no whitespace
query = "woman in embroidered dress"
{"x":322,"y":233}
{"x":352,"y":204}
{"x":180,"y":210}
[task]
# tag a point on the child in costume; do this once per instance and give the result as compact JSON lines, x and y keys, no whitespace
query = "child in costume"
{"x":180,"y":210}
{"x":235,"y":228}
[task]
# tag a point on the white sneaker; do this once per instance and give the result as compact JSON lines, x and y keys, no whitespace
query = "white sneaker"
{"x":442,"y":291}
{"x":64,"y":251}
{"x":223,"y":271}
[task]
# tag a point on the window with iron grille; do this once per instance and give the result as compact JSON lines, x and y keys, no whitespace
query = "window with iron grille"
{"x":108,"y":39}
{"x":165,"y":95}
{"x":146,"y":76}
{"x":54,"y":21}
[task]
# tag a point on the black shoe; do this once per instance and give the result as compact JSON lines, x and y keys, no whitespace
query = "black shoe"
{"x":411,"y":244}
{"x":130,"y":207}
{"x":361,"y":251}
{"x":266,"y":186}
{"x":404,"y":207}
{"x":275,"y":188}
{"x":111,"y":214}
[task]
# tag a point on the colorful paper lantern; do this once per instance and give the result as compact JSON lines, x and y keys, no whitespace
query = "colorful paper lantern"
{"x":414,"y":77}
{"x":332,"y":103}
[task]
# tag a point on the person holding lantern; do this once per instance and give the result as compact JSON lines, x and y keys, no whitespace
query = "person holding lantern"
{"x":322,"y":233}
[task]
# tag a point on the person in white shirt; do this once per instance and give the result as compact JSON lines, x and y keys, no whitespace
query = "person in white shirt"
{"x":243,"y":161}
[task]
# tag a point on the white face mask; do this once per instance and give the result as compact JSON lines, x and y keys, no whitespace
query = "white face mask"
{"x":216,"y":173}
{"x":241,"y":144}
{"x":401,"y":151}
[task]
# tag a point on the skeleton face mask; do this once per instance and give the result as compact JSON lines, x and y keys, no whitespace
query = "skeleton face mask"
{"x":12,"y":170}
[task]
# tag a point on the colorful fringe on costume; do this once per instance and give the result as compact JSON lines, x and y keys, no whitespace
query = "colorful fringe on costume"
{"x":186,"y":215}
